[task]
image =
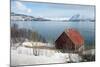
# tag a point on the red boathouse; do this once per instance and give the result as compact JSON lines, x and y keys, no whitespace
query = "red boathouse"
{"x":69,"y":40}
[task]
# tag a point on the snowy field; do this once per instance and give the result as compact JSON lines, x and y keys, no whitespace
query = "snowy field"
{"x":26,"y":56}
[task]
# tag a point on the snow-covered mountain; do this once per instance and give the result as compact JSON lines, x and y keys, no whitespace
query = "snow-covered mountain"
{"x":75,"y":17}
{"x":79,"y":17}
{"x":59,"y":18}
{"x":22,"y":17}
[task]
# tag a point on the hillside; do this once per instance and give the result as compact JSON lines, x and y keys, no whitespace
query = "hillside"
{"x":22,"y":17}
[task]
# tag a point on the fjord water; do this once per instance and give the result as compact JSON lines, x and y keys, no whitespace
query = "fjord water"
{"x":51,"y":30}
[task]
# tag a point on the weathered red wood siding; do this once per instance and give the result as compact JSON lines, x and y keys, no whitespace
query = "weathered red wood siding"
{"x":69,"y":40}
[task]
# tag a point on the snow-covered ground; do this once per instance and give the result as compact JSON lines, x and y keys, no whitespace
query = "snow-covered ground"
{"x":22,"y":59}
{"x":26,"y":56}
{"x":91,"y":52}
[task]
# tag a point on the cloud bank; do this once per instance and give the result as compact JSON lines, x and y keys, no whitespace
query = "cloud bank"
{"x":21,"y":7}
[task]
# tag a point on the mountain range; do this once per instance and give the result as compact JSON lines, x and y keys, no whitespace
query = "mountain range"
{"x":22,"y":17}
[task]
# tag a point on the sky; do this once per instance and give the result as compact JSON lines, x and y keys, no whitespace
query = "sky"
{"x":51,"y":10}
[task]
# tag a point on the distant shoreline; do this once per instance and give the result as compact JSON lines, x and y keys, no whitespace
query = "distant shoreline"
{"x":22,"y":17}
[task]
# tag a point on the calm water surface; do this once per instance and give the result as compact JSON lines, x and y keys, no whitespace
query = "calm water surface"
{"x":51,"y":30}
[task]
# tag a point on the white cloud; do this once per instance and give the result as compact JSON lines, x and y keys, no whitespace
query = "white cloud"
{"x":29,"y":10}
{"x":21,"y":7}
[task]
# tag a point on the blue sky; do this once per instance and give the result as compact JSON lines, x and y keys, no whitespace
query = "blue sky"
{"x":50,"y":10}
